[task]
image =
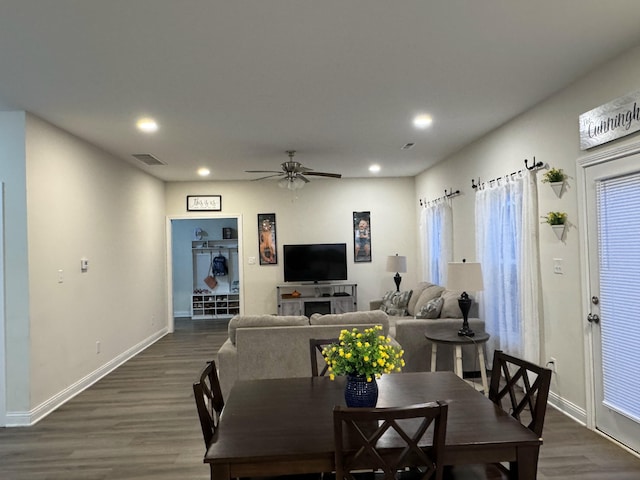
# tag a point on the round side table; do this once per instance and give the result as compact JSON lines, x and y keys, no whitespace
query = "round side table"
{"x":452,"y":338}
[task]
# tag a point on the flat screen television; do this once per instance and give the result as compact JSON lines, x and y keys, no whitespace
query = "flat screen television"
{"x":316,"y":262}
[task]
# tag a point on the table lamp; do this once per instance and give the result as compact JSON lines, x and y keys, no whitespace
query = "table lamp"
{"x":464,"y":276}
{"x":397,"y":264}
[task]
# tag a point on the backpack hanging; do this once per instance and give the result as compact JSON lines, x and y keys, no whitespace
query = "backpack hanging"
{"x":219,"y":266}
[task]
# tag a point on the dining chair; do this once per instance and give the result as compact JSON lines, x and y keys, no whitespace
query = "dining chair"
{"x":315,"y":349}
{"x":521,"y":389}
{"x":209,"y":402}
{"x":390,"y":440}
{"x":525,"y":385}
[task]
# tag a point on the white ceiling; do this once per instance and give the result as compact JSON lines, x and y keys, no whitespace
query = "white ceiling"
{"x":235,"y":83}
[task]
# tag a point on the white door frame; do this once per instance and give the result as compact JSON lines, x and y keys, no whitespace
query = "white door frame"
{"x":583,"y":163}
{"x":169,"y":260}
{"x":3,"y":349}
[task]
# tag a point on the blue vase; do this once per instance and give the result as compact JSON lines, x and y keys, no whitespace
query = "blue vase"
{"x":360,"y":393}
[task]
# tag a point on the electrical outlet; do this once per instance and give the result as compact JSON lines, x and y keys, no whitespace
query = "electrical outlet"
{"x":552,"y":364}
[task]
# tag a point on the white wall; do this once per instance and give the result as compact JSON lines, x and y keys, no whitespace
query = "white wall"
{"x":321,"y":212}
{"x":81,"y":202}
{"x":550,"y":133}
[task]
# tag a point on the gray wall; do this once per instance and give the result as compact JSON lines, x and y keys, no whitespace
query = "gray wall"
{"x":67,"y":200}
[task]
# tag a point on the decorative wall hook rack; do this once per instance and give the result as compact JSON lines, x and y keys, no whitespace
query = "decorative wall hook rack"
{"x":535,"y":165}
{"x":447,"y":194}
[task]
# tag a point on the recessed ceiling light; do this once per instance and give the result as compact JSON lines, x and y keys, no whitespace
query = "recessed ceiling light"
{"x":375,"y":168}
{"x":203,"y":172}
{"x":422,"y":121}
{"x":147,"y":125}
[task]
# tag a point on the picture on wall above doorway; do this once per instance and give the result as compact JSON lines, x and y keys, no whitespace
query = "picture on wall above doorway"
{"x":362,"y":237}
{"x":267,"y":239}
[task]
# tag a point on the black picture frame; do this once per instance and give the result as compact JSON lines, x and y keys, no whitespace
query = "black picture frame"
{"x":267,"y":239}
{"x":361,"y":237}
{"x":204,"y":203}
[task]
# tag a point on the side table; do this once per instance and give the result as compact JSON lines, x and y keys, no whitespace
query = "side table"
{"x":452,"y":338}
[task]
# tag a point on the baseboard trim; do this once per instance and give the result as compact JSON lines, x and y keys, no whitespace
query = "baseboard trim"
{"x":27,"y":419}
{"x":570,"y":409}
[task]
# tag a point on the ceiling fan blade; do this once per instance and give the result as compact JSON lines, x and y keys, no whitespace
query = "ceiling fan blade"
{"x":268,"y":176}
{"x":262,"y":171}
{"x":324,"y":174}
{"x":303,"y":178}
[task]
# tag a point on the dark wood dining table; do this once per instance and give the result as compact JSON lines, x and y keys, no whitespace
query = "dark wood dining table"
{"x":285,"y":426}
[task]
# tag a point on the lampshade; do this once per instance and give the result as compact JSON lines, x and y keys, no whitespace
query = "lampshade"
{"x":464,"y":276}
{"x":396,"y":264}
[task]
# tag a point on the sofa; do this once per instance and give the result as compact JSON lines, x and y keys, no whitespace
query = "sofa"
{"x":271,"y":346}
{"x":427,"y":308}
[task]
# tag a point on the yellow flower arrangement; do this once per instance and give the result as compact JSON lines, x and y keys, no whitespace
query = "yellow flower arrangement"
{"x":366,"y":354}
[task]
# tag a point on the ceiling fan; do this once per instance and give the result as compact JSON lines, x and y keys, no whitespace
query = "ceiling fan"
{"x":294,"y":174}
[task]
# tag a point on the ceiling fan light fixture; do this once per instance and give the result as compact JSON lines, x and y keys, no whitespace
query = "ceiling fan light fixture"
{"x":294,"y":174}
{"x":297,"y":183}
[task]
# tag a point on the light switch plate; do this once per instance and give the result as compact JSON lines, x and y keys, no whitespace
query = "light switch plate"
{"x":557,"y":266}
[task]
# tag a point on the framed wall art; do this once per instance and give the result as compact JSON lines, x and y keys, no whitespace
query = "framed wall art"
{"x":361,"y":237}
{"x":267,"y":239}
{"x":204,"y":203}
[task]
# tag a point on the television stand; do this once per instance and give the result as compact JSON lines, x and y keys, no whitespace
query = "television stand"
{"x":332,"y":297}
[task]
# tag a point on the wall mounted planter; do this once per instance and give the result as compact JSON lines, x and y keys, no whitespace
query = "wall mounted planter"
{"x":559,"y":231}
{"x":558,"y":188}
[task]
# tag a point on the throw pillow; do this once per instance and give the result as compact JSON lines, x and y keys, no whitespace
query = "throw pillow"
{"x":417,"y":291}
{"x":450,"y":308}
{"x":395,"y":303}
{"x":428,"y":294}
{"x":431,"y":309}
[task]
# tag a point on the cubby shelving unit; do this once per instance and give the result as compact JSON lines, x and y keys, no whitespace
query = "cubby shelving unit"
{"x":224,"y":300}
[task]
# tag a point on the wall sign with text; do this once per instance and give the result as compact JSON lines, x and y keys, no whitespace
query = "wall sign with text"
{"x":204,"y":203}
{"x":610,"y":121}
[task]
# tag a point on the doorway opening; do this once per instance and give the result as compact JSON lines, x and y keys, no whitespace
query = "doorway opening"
{"x":204,"y":268}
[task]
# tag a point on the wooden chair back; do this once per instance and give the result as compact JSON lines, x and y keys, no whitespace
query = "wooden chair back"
{"x":315,"y":349}
{"x":390,"y":440}
{"x":209,"y":401}
{"x":526,"y":386}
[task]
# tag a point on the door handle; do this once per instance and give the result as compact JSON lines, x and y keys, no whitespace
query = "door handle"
{"x":593,"y":318}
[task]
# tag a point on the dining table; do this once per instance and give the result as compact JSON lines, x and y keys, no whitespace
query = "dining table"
{"x":285,"y":426}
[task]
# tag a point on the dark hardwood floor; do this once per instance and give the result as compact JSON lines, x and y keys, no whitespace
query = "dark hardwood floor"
{"x":140,"y":422}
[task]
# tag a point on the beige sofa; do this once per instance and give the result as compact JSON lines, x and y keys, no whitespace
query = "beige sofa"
{"x":440,"y":308}
{"x":270,"y":346}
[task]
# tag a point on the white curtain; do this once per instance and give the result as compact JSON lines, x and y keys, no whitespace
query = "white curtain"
{"x":437,"y":237}
{"x":506,"y":242}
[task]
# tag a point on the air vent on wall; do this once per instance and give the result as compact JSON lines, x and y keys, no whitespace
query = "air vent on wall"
{"x":407,"y":146}
{"x":148,"y":159}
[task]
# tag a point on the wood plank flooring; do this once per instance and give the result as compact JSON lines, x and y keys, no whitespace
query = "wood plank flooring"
{"x":140,"y":422}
